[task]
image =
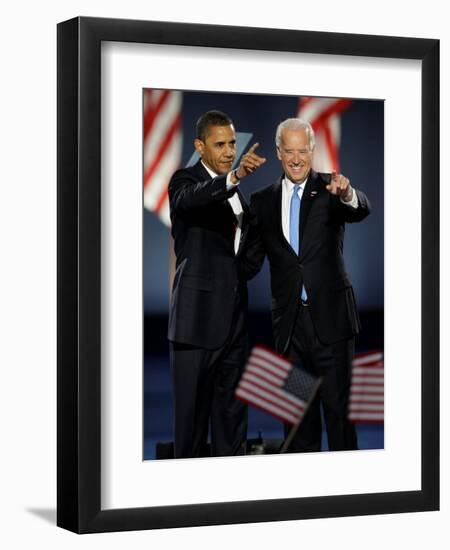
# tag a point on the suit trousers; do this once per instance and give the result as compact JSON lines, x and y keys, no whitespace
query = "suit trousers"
{"x":333,"y":363}
{"x":204,"y":383}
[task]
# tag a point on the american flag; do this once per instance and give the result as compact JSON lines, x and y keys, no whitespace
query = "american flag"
{"x":367,"y":389}
{"x":163,"y":143}
{"x":324,"y":115}
{"x":273,"y":384}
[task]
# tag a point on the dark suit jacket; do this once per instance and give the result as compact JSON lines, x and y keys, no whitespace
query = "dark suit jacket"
{"x":208,"y":272}
{"x":319,"y":266}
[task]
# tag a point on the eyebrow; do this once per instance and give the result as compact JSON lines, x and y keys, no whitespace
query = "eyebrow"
{"x":233,"y":141}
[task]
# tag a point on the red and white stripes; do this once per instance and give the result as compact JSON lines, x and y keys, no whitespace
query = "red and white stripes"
{"x":163,"y":143}
{"x":367,"y":389}
{"x":261,"y":385}
{"x":324,"y":115}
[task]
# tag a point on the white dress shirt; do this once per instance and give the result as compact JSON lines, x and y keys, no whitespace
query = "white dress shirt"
{"x":235,"y":204}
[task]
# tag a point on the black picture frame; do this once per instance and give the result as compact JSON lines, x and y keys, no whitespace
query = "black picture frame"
{"x":79,"y":275}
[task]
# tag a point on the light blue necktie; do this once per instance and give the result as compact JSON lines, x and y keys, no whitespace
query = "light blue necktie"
{"x":294,"y":224}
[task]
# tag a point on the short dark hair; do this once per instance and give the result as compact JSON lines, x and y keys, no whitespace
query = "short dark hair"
{"x":208,"y":119}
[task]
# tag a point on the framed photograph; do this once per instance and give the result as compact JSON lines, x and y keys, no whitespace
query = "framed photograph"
{"x":376,"y":101}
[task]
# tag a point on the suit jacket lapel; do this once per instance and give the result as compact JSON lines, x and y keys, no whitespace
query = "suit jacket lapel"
{"x":243,"y":202}
{"x":311,"y":190}
{"x":245,"y":219}
{"x":278,"y":201}
{"x":203,"y":174}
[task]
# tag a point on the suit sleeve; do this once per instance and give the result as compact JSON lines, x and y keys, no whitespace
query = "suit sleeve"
{"x":349,"y":214}
{"x":186,"y":193}
{"x":252,"y":257}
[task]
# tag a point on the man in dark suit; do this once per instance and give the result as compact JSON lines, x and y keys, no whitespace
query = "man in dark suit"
{"x":207,"y":320}
{"x":300,"y":224}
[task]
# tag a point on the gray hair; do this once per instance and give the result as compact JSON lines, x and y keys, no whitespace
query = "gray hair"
{"x":295,"y":124}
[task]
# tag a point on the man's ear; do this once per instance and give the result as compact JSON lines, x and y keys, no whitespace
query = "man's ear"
{"x":278,"y":153}
{"x":199,"y":146}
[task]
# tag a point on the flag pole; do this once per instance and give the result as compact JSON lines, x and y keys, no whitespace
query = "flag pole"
{"x":295,"y":427}
{"x":289,"y":438}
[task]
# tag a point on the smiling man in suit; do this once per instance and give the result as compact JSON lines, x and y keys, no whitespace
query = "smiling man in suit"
{"x":207,"y":319}
{"x":300,"y":223}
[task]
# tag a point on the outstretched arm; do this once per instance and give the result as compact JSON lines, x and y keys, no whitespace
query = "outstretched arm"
{"x":353,"y":205}
{"x":186,"y":193}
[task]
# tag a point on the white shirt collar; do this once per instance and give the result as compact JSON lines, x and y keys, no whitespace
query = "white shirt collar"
{"x":210,"y":172}
{"x":289,"y":185}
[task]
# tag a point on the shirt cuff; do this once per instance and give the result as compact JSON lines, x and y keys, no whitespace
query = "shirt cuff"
{"x":231,"y":185}
{"x":354,"y":200}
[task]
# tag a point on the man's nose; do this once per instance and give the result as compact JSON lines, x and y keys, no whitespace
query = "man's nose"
{"x":229,"y":151}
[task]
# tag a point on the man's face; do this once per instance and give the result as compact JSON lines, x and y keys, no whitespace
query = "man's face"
{"x":218,"y":151}
{"x":295,"y":154}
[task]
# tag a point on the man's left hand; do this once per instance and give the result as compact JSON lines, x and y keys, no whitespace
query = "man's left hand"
{"x":340,"y":186}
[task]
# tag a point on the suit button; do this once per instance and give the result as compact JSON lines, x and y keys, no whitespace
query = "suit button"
{"x":300,"y":266}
